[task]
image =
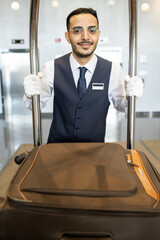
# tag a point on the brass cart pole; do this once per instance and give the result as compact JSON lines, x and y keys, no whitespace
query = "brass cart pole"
{"x":132,"y":71}
{"x":33,"y":43}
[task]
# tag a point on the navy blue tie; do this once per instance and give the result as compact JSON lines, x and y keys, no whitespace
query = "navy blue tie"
{"x":82,"y":82}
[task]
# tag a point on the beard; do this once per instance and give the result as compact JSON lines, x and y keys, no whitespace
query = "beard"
{"x":78,"y":53}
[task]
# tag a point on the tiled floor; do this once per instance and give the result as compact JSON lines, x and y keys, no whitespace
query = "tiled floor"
{"x":16,"y":129}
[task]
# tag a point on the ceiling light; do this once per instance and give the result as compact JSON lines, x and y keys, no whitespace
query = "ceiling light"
{"x":145,"y":7}
{"x":111,"y":3}
{"x":55,"y":3}
{"x":15,"y":6}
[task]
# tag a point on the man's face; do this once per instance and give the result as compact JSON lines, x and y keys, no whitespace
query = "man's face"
{"x":83,"y":35}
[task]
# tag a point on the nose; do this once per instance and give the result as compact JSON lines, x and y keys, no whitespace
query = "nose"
{"x":85,"y":34}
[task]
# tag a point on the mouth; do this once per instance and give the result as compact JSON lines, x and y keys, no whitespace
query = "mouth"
{"x":85,"y":44}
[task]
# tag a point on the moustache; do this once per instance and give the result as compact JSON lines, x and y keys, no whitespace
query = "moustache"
{"x":85,"y":42}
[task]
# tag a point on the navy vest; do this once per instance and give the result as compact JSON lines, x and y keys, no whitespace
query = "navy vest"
{"x":75,"y":119}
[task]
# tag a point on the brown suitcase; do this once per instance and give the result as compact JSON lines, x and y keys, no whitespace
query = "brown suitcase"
{"x":83,"y":189}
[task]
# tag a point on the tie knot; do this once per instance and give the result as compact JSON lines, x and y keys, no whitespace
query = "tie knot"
{"x":82,"y":71}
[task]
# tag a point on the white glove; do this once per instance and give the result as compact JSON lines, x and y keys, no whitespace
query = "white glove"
{"x":133,"y":86}
{"x":32,"y":84}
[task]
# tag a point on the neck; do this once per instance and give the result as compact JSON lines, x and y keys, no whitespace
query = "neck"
{"x":82,"y":60}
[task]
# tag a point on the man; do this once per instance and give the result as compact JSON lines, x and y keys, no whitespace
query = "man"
{"x":83,"y":84}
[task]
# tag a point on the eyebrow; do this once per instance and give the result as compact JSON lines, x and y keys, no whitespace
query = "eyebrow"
{"x":92,"y":26}
{"x":77,"y":27}
{"x":82,"y":27}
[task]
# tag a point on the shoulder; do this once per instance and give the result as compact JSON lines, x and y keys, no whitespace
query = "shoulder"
{"x":115,"y":66}
{"x":50,"y":64}
{"x":104,"y":63}
{"x":103,"y":60}
{"x":62,"y":58}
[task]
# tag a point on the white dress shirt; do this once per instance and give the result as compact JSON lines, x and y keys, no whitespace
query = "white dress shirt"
{"x":116,"y":91}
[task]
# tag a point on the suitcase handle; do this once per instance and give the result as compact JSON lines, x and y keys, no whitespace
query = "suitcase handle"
{"x":132,"y":71}
{"x":87,"y":236}
{"x":34,"y":13}
{"x":33,"y":45}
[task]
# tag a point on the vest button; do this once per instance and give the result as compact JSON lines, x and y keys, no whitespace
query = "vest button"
{"x":80,"y":107}
{"x":75,"y":137}
{"x":78,"y":117}
{"x":77,"y":128}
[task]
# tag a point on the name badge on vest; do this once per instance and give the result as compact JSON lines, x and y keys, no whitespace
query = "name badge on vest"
{"x":97,"y":86}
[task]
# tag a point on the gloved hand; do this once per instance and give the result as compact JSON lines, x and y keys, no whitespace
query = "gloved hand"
{"x":32,"y":84}
{"x":133,"y":86}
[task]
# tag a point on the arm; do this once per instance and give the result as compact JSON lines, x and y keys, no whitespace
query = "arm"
{"x":42,"y":86}
{"x":122,"y":86}
{"x":117,"y":93}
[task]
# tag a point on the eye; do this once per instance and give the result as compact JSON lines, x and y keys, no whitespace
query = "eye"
{"x":92,"y":30}
{"x":77,"y":30}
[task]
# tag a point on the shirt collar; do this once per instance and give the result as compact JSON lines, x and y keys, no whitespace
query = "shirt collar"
{"x":90,"y":65}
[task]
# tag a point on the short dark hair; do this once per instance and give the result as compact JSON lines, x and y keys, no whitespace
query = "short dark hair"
{"x":80,"y":11}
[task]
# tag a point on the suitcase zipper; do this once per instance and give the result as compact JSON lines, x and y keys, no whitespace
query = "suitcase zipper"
{"x":19,"y":185}
{"x":135,"y":165}
{"x":142,"y":174}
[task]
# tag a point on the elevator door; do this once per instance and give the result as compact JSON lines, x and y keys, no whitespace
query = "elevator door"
{"x":15,"y":66}
{"x":18,"y":119}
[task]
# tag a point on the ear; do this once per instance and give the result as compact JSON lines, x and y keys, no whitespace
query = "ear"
{"x":67,"y":37}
